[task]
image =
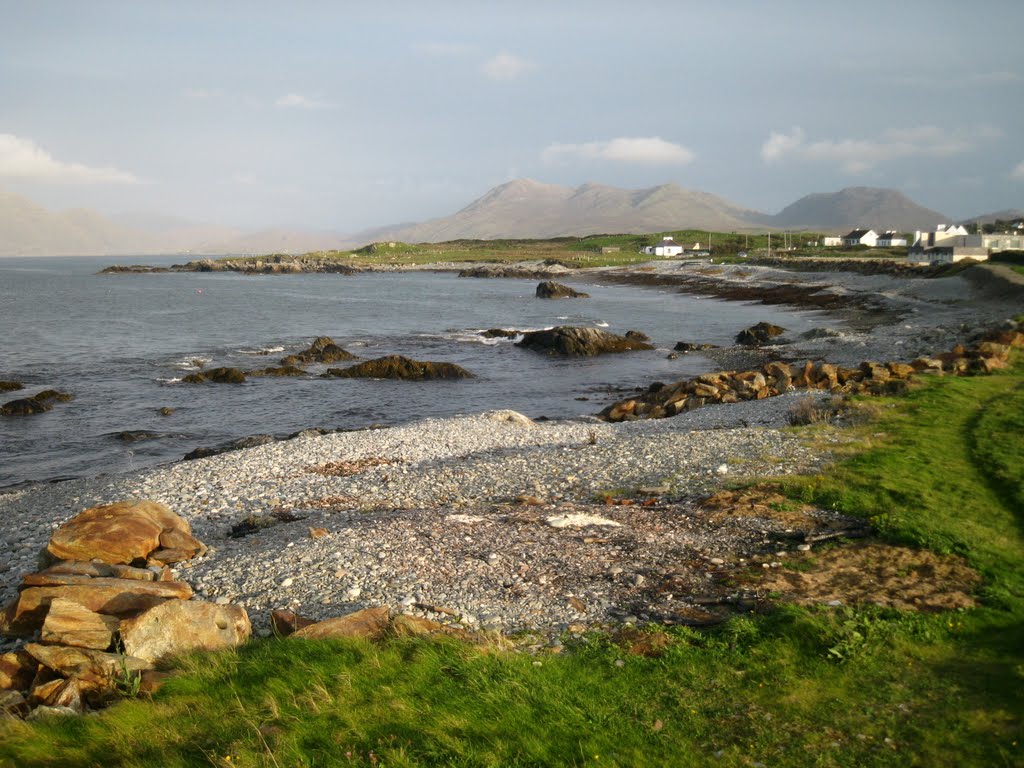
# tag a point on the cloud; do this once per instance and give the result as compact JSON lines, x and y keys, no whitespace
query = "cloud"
{"x":298,"y":101}
{"x":505,"y":66}
{"x":640,"y":151}
{"x":23,"y":158}
{"x":1018,"y":172}
{"x":860,"y":155}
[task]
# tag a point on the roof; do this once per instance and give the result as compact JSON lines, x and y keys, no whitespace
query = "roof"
{"x":857,"y":234}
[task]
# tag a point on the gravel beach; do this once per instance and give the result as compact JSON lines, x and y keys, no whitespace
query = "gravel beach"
{"x":494,"y":520}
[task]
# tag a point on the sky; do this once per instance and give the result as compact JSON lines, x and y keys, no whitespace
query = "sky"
{"x":338,"y":116}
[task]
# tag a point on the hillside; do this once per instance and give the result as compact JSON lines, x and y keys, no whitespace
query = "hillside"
{"x":879,"y":209}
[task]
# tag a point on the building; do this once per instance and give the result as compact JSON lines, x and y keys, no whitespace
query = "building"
{"x":866,"y":237}
{"x":890,"y":239}
{"x":831,"y":241}
{"x":947,"y":245}
{"x":1005,"y":241}
{"x":667,"y":247}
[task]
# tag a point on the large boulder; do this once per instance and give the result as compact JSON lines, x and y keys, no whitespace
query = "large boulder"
{"x":369,"y":623}
{"x":571,"y":341}
{"x":398,"y":367}
{"x":38,"y":403}
{"x":549,"y":289}
{"x":122,"y":532}
{"x":89,"y":667}
{"x":322,"y":350}
{"x":179,"y":626}
{"x":759,"y":334}
{"x":70,"y":623}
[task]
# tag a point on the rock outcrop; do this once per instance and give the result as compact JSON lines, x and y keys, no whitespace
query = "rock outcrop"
{"x":39,"y":403}
{"x":398,"y":367}
{"x":549,"y":289}
{"x":322,"y":350}
{"x":758,"y":335}
{"x":989,"y":353}
{"x":217,"y":375}
{"x":11,"y":386}
{"x":571,"y":341}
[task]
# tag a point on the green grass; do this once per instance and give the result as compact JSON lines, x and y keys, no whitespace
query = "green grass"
{"x":942,"y":468}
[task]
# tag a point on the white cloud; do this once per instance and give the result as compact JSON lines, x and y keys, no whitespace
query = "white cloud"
{"x":299,"y":101}
{"x":651,"y":150}
{"x":23,"y":158}
{"x":1018,"y":172}
{"x":860,"y":155}
{"x":505,"y":66}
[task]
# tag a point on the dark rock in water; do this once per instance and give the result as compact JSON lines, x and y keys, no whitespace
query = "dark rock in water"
{"x":322,"y":350}
{"x":26,"y":406}
{"x":252,"y":441}
{"x":166,"y":411}
{"x":579,"y":342}
{"x":284,"y":370}
{"x":637,"y":336}
{"x":132,"y":269}
{"x":40,"y":403}
{"x":11,"y":386}
{"x":499,"y":333}
{"x":549,"y":289}
{"x":138,"y":435}
{"x":821,"y":333}
{"x":398,"y":367}
{"x":759,"y":334}
{"x":687,"y":346}
{"x":203,"y":452}
{"x":218,"y":375}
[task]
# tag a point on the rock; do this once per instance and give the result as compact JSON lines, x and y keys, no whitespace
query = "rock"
{"x":509,"y":417}
{"x":280,"y":371}
{"x":69,"y":623}
{"x":579,"y":521}
{"x":415,"y":626}
{"x":115,"y":597}
{"x":152,"y":680}
{"x":58,"y":693}
{"x":369,"y":623}
{"x":687,"y":346}
{"x":17,"y":669}
{"x":11,"y":386}
{"x":179,"y":626}
{"x":398,"y":367}
{"x":26,"y":406}
{"x":165,"y":411}
{"x":45,"y":713}
{"x":217,"y":375}
{"x":284,"y":622}
{"x":637,"y":336}
{"x":12,"y":704}
{"x":759,"y":334}
{"x":92,"y":669}
{"x":549,"y":289}
{"x":499,"y":333}
{"x":322,"y":350}
{"x":572,"y":341}
{"x":51,"y":394}
{"x":121,"y":532}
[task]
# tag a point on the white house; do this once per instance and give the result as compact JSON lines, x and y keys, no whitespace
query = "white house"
{"x":831,"y":241}
{"x":667,"y":247}
{"x":947,"y":244}
{"x":890,"y":239}
{"x":866,"y":237}
{"x":1007,"y":241}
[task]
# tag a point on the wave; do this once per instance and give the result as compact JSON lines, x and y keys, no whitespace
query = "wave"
{"x":261,"y":351}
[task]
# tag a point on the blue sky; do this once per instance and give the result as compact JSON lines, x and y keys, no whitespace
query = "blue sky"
{"x":340,"y":116}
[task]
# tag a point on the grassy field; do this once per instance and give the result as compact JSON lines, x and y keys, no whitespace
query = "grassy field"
{"x":941,"y":467}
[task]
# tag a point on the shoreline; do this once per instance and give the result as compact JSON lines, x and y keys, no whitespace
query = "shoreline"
{"x":458,"y":518}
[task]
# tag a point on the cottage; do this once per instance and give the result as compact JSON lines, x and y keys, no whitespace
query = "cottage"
{"x":947,"y":245}
{"x":890,"y":239}
{"x":866,"y":237}
{"x":667,"y":247}
{"x":832,"y":241}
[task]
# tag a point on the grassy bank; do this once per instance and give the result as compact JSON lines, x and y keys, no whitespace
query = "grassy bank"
{"x":942,"y":467}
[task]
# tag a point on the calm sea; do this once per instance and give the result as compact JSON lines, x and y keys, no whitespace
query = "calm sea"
{"x":121,"y":343}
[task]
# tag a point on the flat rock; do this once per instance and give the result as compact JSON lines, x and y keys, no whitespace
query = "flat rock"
{"x":571,"y":341}
{"x":398,"y":367}
{"x":369,"y":623}
{"x":68,"y":623}
{"x":121,"y":532}
{"x":91,"y":668}
{"x":111,"y":570}
{"x":180,"y":626}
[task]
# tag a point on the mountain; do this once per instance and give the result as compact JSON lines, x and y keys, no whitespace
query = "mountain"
{"x":853,"y":207}
{"x":529,"y":209}
{"x":1007,"y":214}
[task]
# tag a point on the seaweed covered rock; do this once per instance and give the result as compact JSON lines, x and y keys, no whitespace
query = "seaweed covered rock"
{"x":571,"y":341}
{"x":398,"y":367}
{"x":759,"y":334}
{"x":39,"y":403}
{"x":283,"y":370}
{"x":322,"y":350}
{"x":549,"y":289}
{"x":217,"y":375}
{"x":11,"y":386}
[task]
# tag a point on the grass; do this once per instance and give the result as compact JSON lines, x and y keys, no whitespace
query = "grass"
{"x":942,"y":467}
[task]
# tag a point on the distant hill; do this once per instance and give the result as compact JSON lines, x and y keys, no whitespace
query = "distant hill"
{"x":853,"y":207}
{"x":1008,"y":214}
{"x":526,"y":208}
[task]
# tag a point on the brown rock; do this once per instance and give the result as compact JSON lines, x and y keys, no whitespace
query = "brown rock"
{"x":58,"y":693}
{"x":218,"y":375}
{"x":115,"y":597}
{"x":164,"y":556}
{"x":549,"y":289}
{"x":284,"y":622}
{"x":571,"y":341}
{"x":44,"y":691}
{"x":91,"y":668}
{"x":183,"y":541}
{"x":121,"y":532}
{"x":759,"y":334}
{"x":926,"y":365}
{"x":78,"y":568}
{"x":179,"y":626}
{"x":875,"y":371}
{"x":398,"y":367}
{"x":17,"y":669}
{"x":415,"y":626}
{"x":68,"y":623}
{"x":12,"y":704}
{"x":152,"y":680}
{"x":900,"y":370}
{"x":369,"y":623}
{"x":993,"y":349}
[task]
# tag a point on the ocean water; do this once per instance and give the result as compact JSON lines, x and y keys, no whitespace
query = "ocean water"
{"x":121,"y":344}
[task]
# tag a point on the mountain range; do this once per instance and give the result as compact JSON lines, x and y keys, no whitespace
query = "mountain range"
{"x":517,"y":209}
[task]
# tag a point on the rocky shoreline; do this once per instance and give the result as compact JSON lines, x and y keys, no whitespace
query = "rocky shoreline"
{"x":499,"y":522}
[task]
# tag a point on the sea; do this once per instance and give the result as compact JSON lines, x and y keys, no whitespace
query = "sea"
{"x":121,"y":344}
